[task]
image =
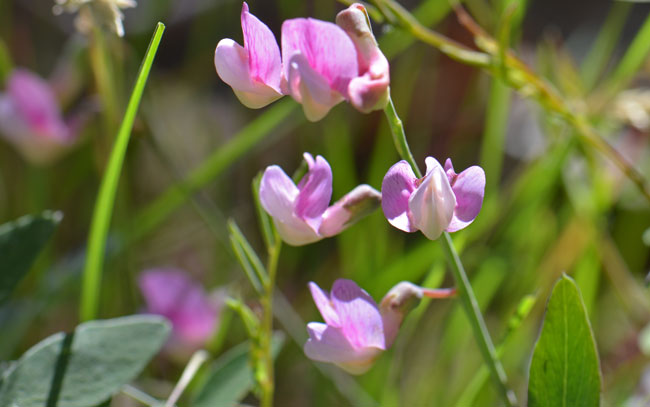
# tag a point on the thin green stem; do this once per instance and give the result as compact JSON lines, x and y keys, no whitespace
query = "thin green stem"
{"x":108,"y":189}
{"x":465,"y":292}
{"x":268,"y":384}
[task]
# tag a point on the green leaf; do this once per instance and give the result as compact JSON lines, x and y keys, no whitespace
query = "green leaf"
{"x":231,"y":376}
{"x":86,"y":367}
{"x":20,"y":243}
{"x":565,"y":370}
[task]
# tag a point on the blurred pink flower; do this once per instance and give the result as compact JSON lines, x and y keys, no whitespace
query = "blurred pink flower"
{"x":30,"y":118}
{"x":322,"y":64}
{"x":254,"y":71}
{"x":442,"y":200}
{"x":356,"y":329}
{"x":173,"y":294}
{"x":302,"y":213}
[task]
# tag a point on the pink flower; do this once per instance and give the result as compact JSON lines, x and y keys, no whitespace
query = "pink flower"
{"x":254,"y":71}
{"x":442,"y":200}
{"x":301,"y":213}
{"x":173,"y":294}
{"x":30,"y":118}
{"x":369,"y":90}
{"x":356,"y":331}
{"x":322,"y":64}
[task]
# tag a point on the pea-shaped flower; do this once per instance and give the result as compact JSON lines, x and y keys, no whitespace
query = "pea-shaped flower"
{"x":30,"y":118}
{"x":302,"y":213}
{"x":254,"y":71}
{"x":441,"y":200}
{"x":356,"y":330}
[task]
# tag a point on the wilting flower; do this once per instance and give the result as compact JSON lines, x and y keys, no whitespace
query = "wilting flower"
{"x":301,"y":213}
{"x":30,"y":118}
{"x":322,"y":64}
{"x":442,"y":200}
{"x":254,"y":71}
{"x":106,"y":13}
{"x":356,"y":330}
{"x":173,"y":294}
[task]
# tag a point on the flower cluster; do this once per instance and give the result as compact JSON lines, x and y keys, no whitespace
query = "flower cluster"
{"x":30,"y":118}
{"x":321,"y":63}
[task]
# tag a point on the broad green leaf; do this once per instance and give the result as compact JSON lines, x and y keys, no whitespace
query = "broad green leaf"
{"x":231,"y":376}
{"x":565,"y":370}
{"x":20,"y":243}
{"x":86,"y":367}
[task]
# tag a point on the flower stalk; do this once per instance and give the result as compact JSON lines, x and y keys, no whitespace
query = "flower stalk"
{"x":464,"y":288}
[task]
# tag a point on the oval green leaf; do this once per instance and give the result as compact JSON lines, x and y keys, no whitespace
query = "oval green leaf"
{"x":20,"y":243}
{"x":86,"y":367}
{"x":565,"y":371}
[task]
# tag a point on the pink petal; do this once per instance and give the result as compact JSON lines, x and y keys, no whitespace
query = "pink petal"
{"x":326,"y":48}
{"x":263,"y":52}
{"x":195,"y":319}
{"x":361,"y":322}
{"x":469,"y":188}
{"x":328,"y":344}
{"x":432,"y":204}
{"x":315,"y":192}
{"x":396,"y":188}
{"x":163,"y":289}
{"x":278,"y":195}
{"x":34,"y":101}
{"x":231,"y":62}
{"x":310,"y":89}
{"x":322,"y":300}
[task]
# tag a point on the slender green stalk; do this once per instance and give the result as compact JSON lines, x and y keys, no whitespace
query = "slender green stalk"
{"x":633,"y":58}
{"x":5,"y":62}
{"x":266,"y":334}
{"x":465,"y":292}
{"x":107,"y":191}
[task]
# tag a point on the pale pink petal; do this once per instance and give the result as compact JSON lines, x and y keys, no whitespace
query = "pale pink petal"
{"x":432,"y":204}
{"x":315,"y":192}
{"x":163,"y":289}
{"x":231,"y":62}
{"x":310,"y":89}
{"x":195,"y":318}
{"x":396,"y":188}
{"x":326,"y":48}
{"x":328,"y":344}
{"x":263,"y":52}
{"x":278,"y":193}
{"x":34,"y":101}
{"x":296,"y":232}
{"x":361,"y":322}
{"x":322,"y":300}
{"x":469,"y":188}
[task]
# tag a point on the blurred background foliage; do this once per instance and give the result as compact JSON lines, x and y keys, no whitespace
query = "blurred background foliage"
{"x":552,"y":203}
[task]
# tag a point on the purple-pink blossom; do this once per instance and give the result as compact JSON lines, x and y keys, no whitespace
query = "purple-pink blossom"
{"x":321,"y":63}
{"x":357,"y":330}
{"x":172,"y":293}
{"x":30,"y":118}
{"x":441,"y":200}
{"x":301,"y":213}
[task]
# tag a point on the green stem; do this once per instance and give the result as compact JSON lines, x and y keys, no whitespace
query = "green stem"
{"x":266,"y":335}
{"x":107,"y":191}
{"x":465,"y":292}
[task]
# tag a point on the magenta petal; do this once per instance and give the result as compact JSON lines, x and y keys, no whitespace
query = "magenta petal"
{"x":315,"y":192}
{"x":322,"y":300}
{"x":163,"y":289}
{"x":469,"y":188}
{"x":263,"y":52}
{"x":195,"y":319}
{"x":326,"y":48}
{"x":361,"y":322}
{"x":396,"y":188}
{"x":278,"y":193}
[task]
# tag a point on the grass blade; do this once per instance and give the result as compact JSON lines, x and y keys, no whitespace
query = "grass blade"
{"x":106,"y":197}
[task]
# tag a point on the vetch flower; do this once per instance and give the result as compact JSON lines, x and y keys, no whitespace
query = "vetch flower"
{"x":302,"y":213}
{"x":356,"y":329}
{"x":254,"y":71}
{"x":30,"y":118}
{"x":173,"y":294}
{"x":320,"y":60}
{"x":368,"y":91}
{"x":441,"y":200}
